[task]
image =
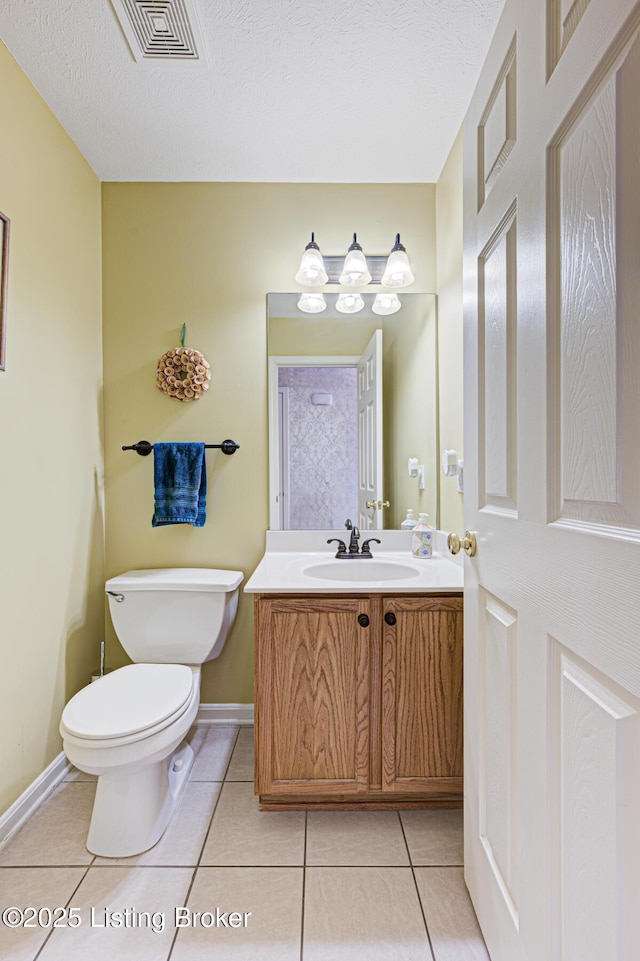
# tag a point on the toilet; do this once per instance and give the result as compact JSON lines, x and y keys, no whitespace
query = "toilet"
{"x":129,"y":726}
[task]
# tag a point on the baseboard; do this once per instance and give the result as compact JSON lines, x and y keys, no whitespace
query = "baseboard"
{"x":225,"y":714}
{"x":32,"y":798}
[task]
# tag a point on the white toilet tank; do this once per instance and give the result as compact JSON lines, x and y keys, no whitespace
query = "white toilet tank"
{"x":173,"y":616}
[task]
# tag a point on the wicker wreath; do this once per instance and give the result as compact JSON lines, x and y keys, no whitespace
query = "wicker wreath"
{"x":183,"y":373}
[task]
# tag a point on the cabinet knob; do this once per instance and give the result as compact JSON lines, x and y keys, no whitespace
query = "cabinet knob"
{"x":390,"y":618}
{"x":363,"y":620}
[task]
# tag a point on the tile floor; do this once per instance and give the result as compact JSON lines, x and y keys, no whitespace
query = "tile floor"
{"x":322,"y":886}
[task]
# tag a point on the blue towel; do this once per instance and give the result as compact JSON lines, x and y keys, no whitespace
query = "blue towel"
{"x":180,"y":478}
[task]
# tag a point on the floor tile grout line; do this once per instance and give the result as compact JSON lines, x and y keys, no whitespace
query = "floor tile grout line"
{"x":48,"y":867}
{"x":100,"y":866}
{"x":204,"y":842}
{"x":304,"y":884}
{"x":415,"y":882}
{"x":245,"y":780}
{"x":351,"y":867}
{"x":424,"y":917}
{"x":364,"y":867}
{"x":235,"y":744}
{"x":194,"y":871}
{"x":68,"y":902}
{"x":411,"y":860}
{"x":215,"y":806}
{"x":406,"y":842}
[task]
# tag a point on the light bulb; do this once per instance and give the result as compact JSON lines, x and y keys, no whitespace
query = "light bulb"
{"x":397,"y":272}
{"x":312,"y":303}
{"x":349,"y":303}
{"x":355,"y":272}
{"x":386,"y":304}
{"x":311,"y":272}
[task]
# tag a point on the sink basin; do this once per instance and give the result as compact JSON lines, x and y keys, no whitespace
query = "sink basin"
{"x":367,"y":569}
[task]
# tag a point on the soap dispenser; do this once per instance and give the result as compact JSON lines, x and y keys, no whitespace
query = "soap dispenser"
{"x":409,"y":522}
{"x":422,"y":538}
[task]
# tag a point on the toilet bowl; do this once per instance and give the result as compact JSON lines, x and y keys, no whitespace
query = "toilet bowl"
{"x":128,"y":728}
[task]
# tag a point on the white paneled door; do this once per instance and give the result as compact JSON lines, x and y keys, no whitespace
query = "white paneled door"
{"x":370,"y":479}
{"x":552,"y":477}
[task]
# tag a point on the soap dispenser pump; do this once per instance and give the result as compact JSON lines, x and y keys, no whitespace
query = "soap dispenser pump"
{"x":422,"y":538}
{"x":409,"y":522}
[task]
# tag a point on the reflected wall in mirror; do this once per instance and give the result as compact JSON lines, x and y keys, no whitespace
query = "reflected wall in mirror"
{"x":351,"y":399}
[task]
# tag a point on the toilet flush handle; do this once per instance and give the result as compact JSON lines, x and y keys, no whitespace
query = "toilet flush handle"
{"x":118,"y":597}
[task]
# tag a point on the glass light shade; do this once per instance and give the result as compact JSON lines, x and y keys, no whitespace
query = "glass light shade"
{"x":355,"y":272}
{"x":397,"y":272}
{"x":386,"y":304}
{"x":349,"y":303}
{"x":312,"y":303}
{"x":311,"y":272}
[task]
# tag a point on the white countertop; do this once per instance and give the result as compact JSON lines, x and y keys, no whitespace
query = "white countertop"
{"x":290,"y":554}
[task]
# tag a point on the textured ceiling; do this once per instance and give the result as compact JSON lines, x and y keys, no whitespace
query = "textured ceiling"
{"x":323,"y":90}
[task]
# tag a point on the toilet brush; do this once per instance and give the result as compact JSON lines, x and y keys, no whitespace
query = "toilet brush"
{"x":98,"y":674}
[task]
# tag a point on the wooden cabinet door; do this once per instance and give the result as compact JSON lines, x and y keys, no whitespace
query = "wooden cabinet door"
{"x":313,"y":666}
{"x":422,"y":695}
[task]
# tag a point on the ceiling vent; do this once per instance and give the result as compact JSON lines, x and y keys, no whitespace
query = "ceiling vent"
{"x":162,"y":30}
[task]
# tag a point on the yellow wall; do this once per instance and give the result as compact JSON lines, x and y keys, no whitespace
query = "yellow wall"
{"x":207,"y":255}
{"x":51,"y":516}
{"x":449,"y":238}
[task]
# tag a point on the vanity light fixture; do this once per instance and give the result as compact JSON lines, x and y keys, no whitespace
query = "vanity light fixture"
{"x":385,"y":304}
{"x":349,"y":303}
{"x":398,"y":271}
{"x":311,"y":272}
{"x":312,"y":302}
{"x":355,"y":272}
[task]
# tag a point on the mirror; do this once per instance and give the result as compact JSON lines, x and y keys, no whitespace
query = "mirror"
{"x":326,"y":455}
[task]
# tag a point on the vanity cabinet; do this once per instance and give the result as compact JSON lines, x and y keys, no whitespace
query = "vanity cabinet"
{"x":358,"y":700}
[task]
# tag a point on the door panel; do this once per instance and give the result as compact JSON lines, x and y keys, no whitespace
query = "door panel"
{"x":563,"y":16}
{"x":598,"y":735}
{"x":595,"y":324}
{"x":552,"y":597}
{"x":587,"y":202}
{"x":497,"y":127}
{"x":497,"y":796}
{"x":370,"y":479}
{"x":497,"y":271}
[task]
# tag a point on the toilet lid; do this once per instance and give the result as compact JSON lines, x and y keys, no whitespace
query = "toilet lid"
{"x":128,"y":700}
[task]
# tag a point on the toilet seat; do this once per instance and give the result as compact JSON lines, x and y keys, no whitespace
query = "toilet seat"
{"x":129,"y":704}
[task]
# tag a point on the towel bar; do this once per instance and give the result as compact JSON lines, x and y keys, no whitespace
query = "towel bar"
{"x":143,"y":447}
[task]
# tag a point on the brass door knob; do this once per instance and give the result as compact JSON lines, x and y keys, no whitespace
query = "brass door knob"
{"x":468,"y":543}
{"x":377,"y":504}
